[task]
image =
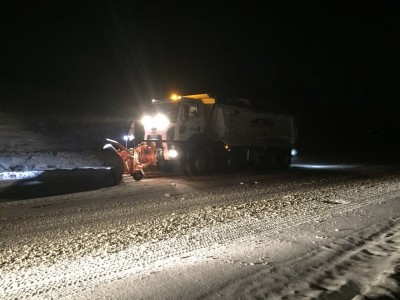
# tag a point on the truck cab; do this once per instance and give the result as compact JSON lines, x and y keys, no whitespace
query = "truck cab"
{"x":172,"y":123}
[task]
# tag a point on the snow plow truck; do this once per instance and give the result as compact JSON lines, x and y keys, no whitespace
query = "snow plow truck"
{"x":203,"y":135}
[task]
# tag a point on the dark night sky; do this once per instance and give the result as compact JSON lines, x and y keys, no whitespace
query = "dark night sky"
{"x":308,"y":56}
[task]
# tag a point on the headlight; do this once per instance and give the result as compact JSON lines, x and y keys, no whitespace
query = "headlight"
{"x":147,"y":122}
{"x":159,"y":121}
{"x":173,"y":153}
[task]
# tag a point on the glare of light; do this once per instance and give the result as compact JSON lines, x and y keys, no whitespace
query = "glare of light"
{"x":147,"y":122}
{"x":175,"y":97}
{"x":126,"y":140}
{"x":159,"y":121}
{"x":326,"y":166}
{"x":131,"y":137}
{"x":294,"y":152}
{"x":173,"y":153}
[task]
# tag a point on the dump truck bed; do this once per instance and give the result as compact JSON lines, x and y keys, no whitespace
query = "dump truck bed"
{"x":242,"y":126}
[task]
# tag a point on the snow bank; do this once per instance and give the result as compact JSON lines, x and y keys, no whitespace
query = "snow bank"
{"x":22,"y":165}
{"x":26,"y":148}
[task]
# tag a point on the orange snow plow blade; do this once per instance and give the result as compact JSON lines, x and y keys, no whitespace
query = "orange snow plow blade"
{"x":135,"y":160}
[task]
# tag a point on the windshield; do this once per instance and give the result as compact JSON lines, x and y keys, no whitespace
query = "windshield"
{"x":169,"y":109}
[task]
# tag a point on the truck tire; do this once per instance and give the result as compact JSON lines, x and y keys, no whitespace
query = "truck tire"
{"x":197,"y":163}
{"x":137,"y":176}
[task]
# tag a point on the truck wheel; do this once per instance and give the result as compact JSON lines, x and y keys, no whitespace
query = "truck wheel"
{"x":137,"y":176}
{"x":197,"y":163}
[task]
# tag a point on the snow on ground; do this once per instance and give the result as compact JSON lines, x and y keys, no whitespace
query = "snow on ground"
{"x":284,"y":238}
{"x":324,"y":243}
{"x":26,"y":149}
{"x":22,"y":165}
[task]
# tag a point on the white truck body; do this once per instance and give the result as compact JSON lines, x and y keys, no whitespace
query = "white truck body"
{"x":240,"y":126}
{"x":201,"y":132}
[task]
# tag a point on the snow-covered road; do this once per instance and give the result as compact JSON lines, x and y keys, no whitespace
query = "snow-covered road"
{"x":307,"y":232}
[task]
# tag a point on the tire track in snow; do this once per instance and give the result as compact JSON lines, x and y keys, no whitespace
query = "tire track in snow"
{"x":369,"y":272}
{"x":69,"y":278}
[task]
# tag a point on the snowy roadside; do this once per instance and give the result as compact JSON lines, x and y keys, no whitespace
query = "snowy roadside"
{"x":328,"y":254}
{"x":28,"y":147}
{"x":20,"y":165}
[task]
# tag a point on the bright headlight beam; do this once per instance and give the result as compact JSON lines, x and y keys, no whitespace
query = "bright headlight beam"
{"x":147,"y":122}
{"x":173,"y":153}
{"x":159,"y":121}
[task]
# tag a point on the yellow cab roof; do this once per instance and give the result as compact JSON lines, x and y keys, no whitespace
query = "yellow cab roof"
{"x":205,"y":98}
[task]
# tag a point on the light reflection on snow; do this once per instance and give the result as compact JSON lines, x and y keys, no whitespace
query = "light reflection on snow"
{"x":32,"y":174}
{"x":326,"y":166}
{"x":35,"y":182}
{"x":19,"y":175}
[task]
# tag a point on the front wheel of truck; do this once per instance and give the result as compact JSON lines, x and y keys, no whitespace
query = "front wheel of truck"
{"x":197,"y":163}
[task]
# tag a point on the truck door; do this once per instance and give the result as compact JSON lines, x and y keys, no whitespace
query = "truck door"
{"x":191,"y":120}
